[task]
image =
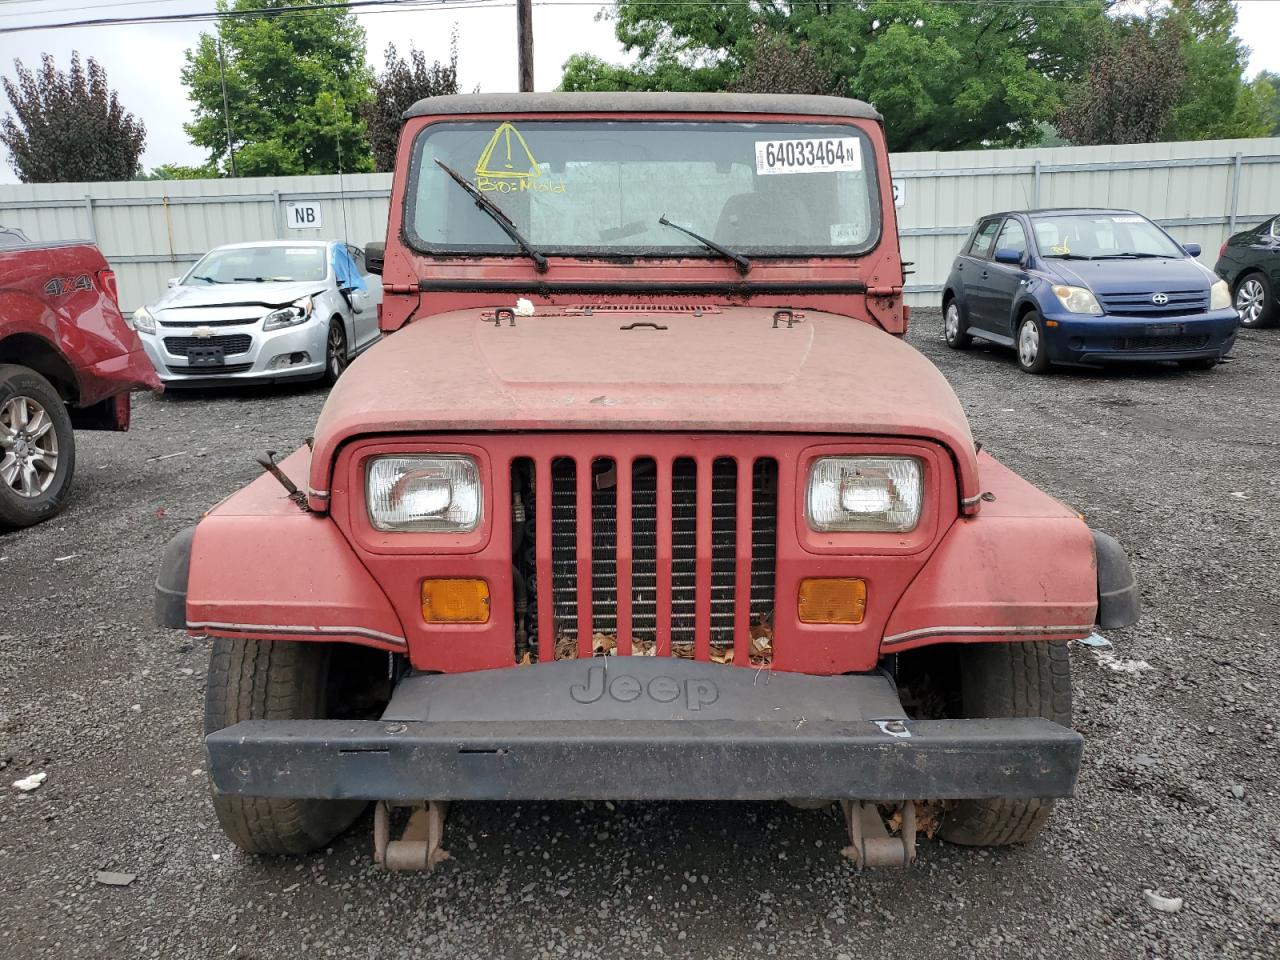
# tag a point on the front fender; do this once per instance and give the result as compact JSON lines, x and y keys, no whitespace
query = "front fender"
{"x":259,"y":567}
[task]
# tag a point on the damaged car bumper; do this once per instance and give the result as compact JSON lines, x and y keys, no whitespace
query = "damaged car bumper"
{"x":644,"y":729}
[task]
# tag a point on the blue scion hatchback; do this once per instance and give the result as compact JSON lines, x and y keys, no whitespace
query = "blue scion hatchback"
{"x":1084,"y":286}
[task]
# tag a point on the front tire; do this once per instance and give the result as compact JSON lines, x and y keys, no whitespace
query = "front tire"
{"x":336,"y":356}
{"x":1255,"y":301}
{"x":273,"y":680}
{"x":1031,"y":679}
{"x":953,"y":331}
{"x":37,"y":448}
{"x":1032,"y":348}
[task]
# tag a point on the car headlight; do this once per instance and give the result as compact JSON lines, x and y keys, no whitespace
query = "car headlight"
{"x":434,"y":494}
{"x":1219,"y":295}
{"x":864,"y":494}
{"x":1077,"y":299}
{"x":143,"y":321}
{"x":297,"y":312}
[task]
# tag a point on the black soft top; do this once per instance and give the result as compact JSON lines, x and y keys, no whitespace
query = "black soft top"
{"x":641,"y":103}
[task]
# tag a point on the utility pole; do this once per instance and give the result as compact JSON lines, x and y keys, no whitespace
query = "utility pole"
{"x":524,"y":38}
{"x":226,"y":110}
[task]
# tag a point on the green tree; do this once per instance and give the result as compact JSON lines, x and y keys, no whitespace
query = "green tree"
{"x":402,"y":84}
{"x":1267,"y":85}
{"x":1216,"y":102}
{"x":178,"y":171}
{"x":945,"y":75}
{"x":295,"y":86}
{"x":69,"y":127}
{"x":1135,"y":80}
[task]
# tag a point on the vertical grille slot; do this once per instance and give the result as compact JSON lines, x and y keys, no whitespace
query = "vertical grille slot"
{"x":564,"y":552}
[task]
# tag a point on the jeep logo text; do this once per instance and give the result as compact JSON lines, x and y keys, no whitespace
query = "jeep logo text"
{"x":624,"y":688}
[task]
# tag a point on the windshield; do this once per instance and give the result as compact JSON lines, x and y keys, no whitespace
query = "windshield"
{"x":1101,"y":236}
{"x":259,"y":265}
{"x":600,"y":187}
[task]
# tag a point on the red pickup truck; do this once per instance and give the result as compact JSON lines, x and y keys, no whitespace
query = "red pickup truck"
{"x":68,"y":361}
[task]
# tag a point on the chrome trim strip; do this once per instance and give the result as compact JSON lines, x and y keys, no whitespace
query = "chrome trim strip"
{"x":983,"y":631}
{"x":317,"y":631}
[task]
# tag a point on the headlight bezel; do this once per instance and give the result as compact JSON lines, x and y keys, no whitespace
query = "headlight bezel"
{"x":940,"y":490}
{"x":295,"y":314}
{"x":1078,"y":300}
{"x":142,"y":320}
{"x":424,"y":462}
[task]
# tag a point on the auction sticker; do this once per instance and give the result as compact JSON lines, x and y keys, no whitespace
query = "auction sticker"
{"x":833,"y":155}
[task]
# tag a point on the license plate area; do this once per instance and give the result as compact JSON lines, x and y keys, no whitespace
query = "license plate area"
{"x":205,"y":356}
{"x":1165,"y":329}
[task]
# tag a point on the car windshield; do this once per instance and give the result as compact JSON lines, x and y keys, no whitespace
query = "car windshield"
{"x":274,"y":262}
{"x":1101,"y":236}
{"x":600,"y":187}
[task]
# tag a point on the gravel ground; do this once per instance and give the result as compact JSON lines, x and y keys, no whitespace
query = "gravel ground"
{"x":1179,"y":790}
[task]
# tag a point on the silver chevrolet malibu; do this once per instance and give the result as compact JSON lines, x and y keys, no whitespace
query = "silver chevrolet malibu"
{"x":263,"y":312}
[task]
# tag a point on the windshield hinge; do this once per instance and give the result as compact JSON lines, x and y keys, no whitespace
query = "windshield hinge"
{"x":399,"y":288}
{"x":891,"y":291}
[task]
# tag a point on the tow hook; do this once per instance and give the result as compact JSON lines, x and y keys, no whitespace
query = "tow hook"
{"x":870,"y":844}
{"x":419,"y":845}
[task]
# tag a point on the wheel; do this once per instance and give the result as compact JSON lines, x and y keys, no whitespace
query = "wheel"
{"x":1033,"y":353}
{"x":1030,"y":679}
{"x":952,"y":327}
{"x":335,"y":351}
{"x":37,"y":448}
{"x":1199,"y":363}
{"x":1255,"y":301}
{"x":275,"y":680}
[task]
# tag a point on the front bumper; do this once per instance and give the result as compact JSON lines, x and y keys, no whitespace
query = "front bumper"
{"x":249,"y":366}
{"x":644,"y":729}
{"x":1111,"y":339}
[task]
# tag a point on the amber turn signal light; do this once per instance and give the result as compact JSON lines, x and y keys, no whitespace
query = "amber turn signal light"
{"x":832,"y":600}
{"x":453,"y":600}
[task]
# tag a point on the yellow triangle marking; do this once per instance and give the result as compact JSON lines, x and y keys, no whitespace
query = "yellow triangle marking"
{"x":509,"y":170}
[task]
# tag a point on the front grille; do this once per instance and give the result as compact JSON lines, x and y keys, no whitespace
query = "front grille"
{"x":210,"y":371}
{"x":231,"y":344}
{"x":1139,"y":303}
{"x":236,"y":322}
{"x":1167,"y":344}
{"x":700,"y":577}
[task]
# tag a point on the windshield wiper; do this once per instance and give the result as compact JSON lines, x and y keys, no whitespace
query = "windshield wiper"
{"x":1068,"y":256}
{"x":208,"y":279}
{"x":1135,"y":256}
{"x":500,"y":218}
{"x":744,"y":265}
{"x":250,"y":280}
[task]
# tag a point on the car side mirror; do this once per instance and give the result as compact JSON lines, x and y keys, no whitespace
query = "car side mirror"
{"x":1193,"y":249}
{"x":173,"y":281}
{"x":1007,"y":255}
{"x":374,"y":254}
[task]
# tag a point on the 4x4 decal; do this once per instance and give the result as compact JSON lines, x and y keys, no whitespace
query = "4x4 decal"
{"x":58,"y":286}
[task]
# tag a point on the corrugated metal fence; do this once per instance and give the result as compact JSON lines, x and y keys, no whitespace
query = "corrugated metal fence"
{"x":152,"y":230}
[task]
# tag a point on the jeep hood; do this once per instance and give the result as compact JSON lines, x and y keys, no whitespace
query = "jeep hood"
{"x":722,"y":369}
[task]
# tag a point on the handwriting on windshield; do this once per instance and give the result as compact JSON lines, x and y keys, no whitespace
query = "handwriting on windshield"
{"x":507,"y":165}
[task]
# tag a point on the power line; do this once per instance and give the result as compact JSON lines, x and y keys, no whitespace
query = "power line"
{"x":213,"y":16}
{"x":392,"y":6}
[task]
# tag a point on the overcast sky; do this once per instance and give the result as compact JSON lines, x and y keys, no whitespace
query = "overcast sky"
{"x":143,"y":61}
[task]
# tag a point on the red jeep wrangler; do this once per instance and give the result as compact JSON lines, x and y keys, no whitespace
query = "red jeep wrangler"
{"x":647,"y":403}
{"x":67,"y":360}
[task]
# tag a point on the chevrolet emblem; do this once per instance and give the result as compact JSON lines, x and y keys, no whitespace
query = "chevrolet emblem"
{"x":204,"y":333}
